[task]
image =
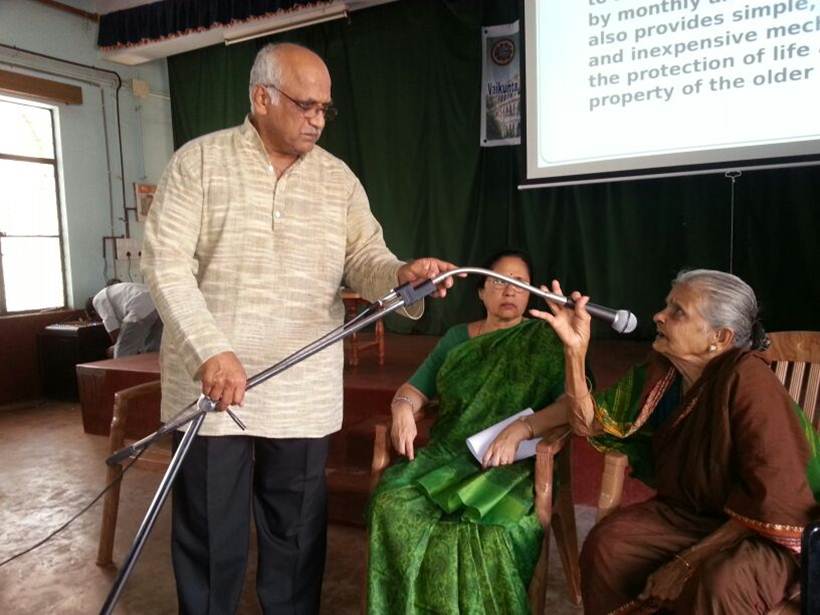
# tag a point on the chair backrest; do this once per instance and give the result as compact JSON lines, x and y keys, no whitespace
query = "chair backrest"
{"x":795,"y":357}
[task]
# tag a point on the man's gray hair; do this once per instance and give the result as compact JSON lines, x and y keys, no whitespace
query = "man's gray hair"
{"x":728,"y":303}
{"x":266,"y":70}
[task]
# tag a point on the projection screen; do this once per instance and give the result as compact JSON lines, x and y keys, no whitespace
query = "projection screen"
{"x":627,"y":89}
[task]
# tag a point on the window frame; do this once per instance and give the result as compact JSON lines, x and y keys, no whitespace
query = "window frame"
{"x":55,"y":164}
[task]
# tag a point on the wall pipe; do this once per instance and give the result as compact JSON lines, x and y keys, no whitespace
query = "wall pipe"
{"x":117,"y":106}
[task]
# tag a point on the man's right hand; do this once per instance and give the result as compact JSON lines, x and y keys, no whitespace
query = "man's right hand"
{"x":223,"y":380}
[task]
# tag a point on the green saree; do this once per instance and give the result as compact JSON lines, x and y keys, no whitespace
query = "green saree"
{"x":445,"y":536}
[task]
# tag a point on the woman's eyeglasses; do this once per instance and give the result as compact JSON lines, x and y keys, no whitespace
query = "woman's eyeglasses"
{"x":499,"y":284}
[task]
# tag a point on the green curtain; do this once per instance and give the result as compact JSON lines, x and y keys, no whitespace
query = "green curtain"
{"x":406,"y":78}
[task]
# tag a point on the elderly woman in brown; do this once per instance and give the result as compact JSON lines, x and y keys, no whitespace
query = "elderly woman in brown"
{"x":709,"y":426}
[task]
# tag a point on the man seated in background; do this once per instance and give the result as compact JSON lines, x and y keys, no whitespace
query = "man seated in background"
{"x":130,"y":317}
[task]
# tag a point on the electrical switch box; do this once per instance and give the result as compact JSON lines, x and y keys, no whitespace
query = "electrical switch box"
{"x":127,"y":248}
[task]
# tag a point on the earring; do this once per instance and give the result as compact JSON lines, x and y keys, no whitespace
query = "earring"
{"x":712,"y":347}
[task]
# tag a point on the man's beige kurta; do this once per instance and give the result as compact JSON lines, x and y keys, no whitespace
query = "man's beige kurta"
{"x":239,"y":260}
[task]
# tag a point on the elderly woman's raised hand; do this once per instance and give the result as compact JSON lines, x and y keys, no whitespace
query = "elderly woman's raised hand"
{"x":571,"y":325}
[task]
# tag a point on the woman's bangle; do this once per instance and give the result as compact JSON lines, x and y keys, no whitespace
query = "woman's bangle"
{"x":525,"y":420}
{"x":682,"y":560}
{"x":404,"y":398}
{"x":580,"y":398}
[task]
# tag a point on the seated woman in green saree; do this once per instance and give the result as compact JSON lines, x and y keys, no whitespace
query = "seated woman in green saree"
{"x":709,"y":426}
{"x":447,"y":536}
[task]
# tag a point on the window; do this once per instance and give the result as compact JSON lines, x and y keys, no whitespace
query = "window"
{"x":31,"y":255}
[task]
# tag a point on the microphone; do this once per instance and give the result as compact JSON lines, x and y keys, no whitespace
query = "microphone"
{"x":623,"y":321}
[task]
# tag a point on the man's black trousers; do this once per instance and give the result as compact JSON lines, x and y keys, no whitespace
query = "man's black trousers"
{"x":220,"y":479}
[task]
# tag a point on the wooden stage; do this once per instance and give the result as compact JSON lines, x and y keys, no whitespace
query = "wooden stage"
{"x":368,"y":389}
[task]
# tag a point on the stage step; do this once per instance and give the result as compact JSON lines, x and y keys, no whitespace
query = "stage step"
{"x":348,"y":493}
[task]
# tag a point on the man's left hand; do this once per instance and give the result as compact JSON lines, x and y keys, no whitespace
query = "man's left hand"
{"x":423,"y":269}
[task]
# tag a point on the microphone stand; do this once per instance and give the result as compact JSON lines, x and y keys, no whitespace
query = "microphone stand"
{"x":195,"y":412}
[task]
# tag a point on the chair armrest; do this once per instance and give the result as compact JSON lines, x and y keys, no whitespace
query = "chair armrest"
{"x":122,"y":404}
{"x":612,"y":483}
{"x":137,"y":391}
{"x":383,"y":447}
{"x":554,"y":440}
{"x":550,"y":446}
{"x":427,"y":411}
{"x":382,"y":450}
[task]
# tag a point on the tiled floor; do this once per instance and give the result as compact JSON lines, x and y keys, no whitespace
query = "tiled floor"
{"x":50,"y":469}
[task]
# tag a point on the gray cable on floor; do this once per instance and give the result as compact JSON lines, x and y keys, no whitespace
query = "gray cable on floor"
{"x":70,"y":521}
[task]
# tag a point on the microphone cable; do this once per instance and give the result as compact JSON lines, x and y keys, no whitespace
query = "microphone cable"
{"x":76,"y":516}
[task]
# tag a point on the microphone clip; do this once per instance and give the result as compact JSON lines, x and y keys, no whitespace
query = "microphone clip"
{"x":410,"y":294}
{"x":206,"y":404}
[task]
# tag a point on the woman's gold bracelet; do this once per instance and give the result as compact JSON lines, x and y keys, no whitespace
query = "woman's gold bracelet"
{"x":399,"y":398}
{"x":524,"y":419}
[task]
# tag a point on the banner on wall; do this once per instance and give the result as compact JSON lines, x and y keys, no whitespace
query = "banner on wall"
{"x":500,"y":86}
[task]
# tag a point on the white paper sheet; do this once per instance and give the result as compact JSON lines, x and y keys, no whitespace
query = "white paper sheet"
{"x":480,"y":442}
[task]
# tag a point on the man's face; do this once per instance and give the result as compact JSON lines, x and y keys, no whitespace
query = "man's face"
{"x":288,"y":115}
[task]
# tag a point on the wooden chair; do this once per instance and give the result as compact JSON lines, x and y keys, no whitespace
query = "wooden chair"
{"x":352,"y":302}
{"x":558,"y":518}
{"x":795,"y":359}
{"x":124,"y":402}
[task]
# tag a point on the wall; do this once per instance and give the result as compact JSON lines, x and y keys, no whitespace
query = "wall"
{"x":91,"y":171}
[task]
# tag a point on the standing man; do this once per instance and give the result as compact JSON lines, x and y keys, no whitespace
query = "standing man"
{"x":129,"y":316}
{"x":252,"y":232}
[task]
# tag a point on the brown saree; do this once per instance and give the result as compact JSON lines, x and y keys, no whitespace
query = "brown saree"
{"x":733,"y":448}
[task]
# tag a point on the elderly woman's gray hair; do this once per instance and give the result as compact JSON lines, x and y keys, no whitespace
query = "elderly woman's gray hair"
{"x":266,"y":70}
{"x":728,"y":302}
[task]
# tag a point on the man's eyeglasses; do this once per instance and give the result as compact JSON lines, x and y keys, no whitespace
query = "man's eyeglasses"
{"x":309,"y":108}
{"x":498,"y":284}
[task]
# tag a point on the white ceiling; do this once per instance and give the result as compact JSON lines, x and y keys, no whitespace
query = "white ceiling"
{"x":109,"y":6}
{"x":104,"y":6}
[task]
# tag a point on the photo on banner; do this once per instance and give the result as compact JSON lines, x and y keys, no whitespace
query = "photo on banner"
{"x":500,"y":86}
